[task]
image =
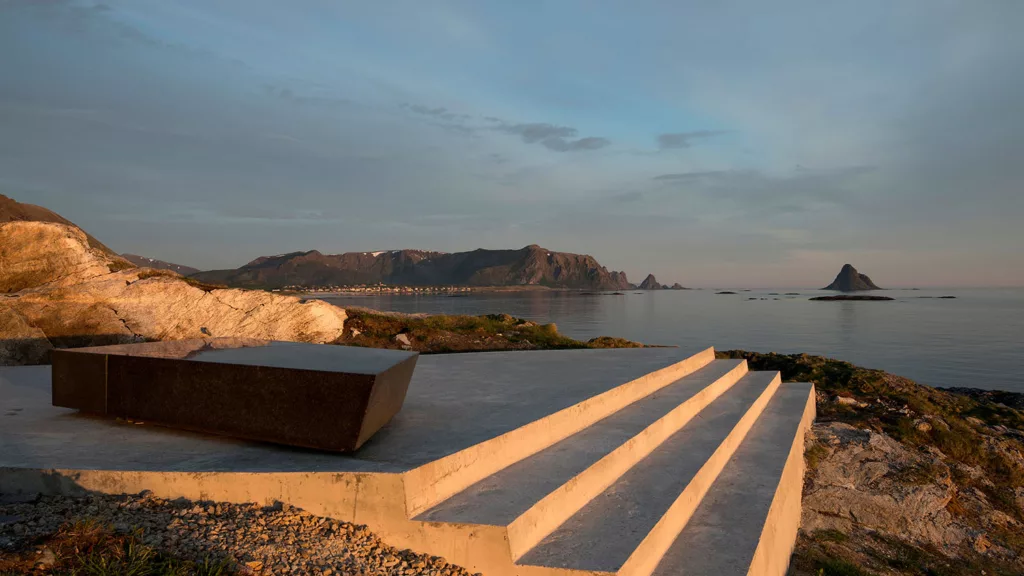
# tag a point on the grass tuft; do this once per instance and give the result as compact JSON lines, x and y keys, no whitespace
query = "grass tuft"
{"x":88,"y":548}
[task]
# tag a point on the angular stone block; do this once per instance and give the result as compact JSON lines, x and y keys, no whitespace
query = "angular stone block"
{"x":310,"y":395}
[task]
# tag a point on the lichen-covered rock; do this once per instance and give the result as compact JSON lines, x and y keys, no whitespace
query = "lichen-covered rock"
{"x":64,"y":293}
{"x":870,"y":480}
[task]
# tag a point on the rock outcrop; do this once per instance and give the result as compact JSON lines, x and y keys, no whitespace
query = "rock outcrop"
{"x":57,"y":290}
{"x":869,"y":480}
{"x":13,"y":211}
{"x":527,"y":266}
{"x":678,"y":286}
{"x":650,"y":283}
{"x":849,"y":280}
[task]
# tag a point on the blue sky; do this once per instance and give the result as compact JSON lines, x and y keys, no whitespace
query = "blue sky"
{"x":711,"y":143}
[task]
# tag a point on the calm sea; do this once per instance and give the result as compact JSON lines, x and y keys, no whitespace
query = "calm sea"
{"x":975,"y":340}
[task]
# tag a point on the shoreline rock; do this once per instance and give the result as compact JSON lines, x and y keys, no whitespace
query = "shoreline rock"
{"x":851,"y":298}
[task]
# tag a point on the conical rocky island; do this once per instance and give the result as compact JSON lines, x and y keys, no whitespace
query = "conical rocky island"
{"x":849,"y":280}
{"x":651,"y":283}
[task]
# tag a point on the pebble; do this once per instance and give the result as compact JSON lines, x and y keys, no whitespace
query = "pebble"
{"x":278,"y":539}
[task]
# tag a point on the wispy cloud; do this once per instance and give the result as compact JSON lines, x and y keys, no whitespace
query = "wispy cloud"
{"x":289,"y":95}
{"x":685,"y":139}
{"x":557,"y":138}
{"x":683,"y":176}
{"x":551,"y":136}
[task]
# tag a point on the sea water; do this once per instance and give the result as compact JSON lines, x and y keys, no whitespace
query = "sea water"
{"x":975,"y":340}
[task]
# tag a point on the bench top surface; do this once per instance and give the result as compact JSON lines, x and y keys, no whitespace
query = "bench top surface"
{"x":252,"y":352}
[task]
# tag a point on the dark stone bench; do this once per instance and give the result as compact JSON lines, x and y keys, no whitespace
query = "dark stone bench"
{"x":315,"y":396}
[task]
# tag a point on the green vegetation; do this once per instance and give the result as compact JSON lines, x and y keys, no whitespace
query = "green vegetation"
{"x":90,"y":549}
{"x":814,"y":454}
{"x":204,"y":286}
{"x":441,"y":334}
{"x":155,"y":273}
{"x":829,"y":553}
{"x":838,"y":567}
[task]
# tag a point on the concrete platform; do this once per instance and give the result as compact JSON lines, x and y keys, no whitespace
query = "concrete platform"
{"x":491,"y":454}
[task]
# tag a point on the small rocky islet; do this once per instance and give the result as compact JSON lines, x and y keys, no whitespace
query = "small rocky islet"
{"x":853,"y":297}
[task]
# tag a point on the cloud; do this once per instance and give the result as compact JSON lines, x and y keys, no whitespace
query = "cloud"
{"x":685,"y":139}
{"x":439,"y":112}
{"x":707,"y":174}
{"x":562,"y":145}
{"x":557,"y":138}
{"x":551,"y":136}
{"x":289,"y":95}
{"x":538,"y":132}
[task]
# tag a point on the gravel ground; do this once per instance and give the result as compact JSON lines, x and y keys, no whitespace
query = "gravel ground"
{"x":263,"y":540}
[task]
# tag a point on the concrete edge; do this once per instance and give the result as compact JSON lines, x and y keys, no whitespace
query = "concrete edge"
{"x":645,"y":558}
{"x":545,"y":516}
{"x":778,"y":537}
{"x":436,"y":481}
{"x":366,"y":498}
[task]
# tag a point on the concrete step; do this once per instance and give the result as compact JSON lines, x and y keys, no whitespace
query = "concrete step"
{"x":436,"y":481}
{"x":627,"y":528}
{"x":747,"y":522}
{"x":535,"y":495}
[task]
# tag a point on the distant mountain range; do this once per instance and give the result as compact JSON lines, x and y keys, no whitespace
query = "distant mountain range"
{"x":142,"y":261}
{"x":531,"y":265}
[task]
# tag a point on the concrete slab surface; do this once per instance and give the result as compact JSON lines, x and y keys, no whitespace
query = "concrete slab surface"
{"x":603,"y":535}
{"x":502,"y":497}
{"x":732,"y":515}
{"x":454,"y":401}
{"x":253,"y":352}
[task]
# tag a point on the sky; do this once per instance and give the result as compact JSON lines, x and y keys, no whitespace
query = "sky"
{"x":712,"y":143}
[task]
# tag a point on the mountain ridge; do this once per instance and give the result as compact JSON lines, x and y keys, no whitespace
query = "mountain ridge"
{"x":145,"y":262}
{"x":531,"y":265}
